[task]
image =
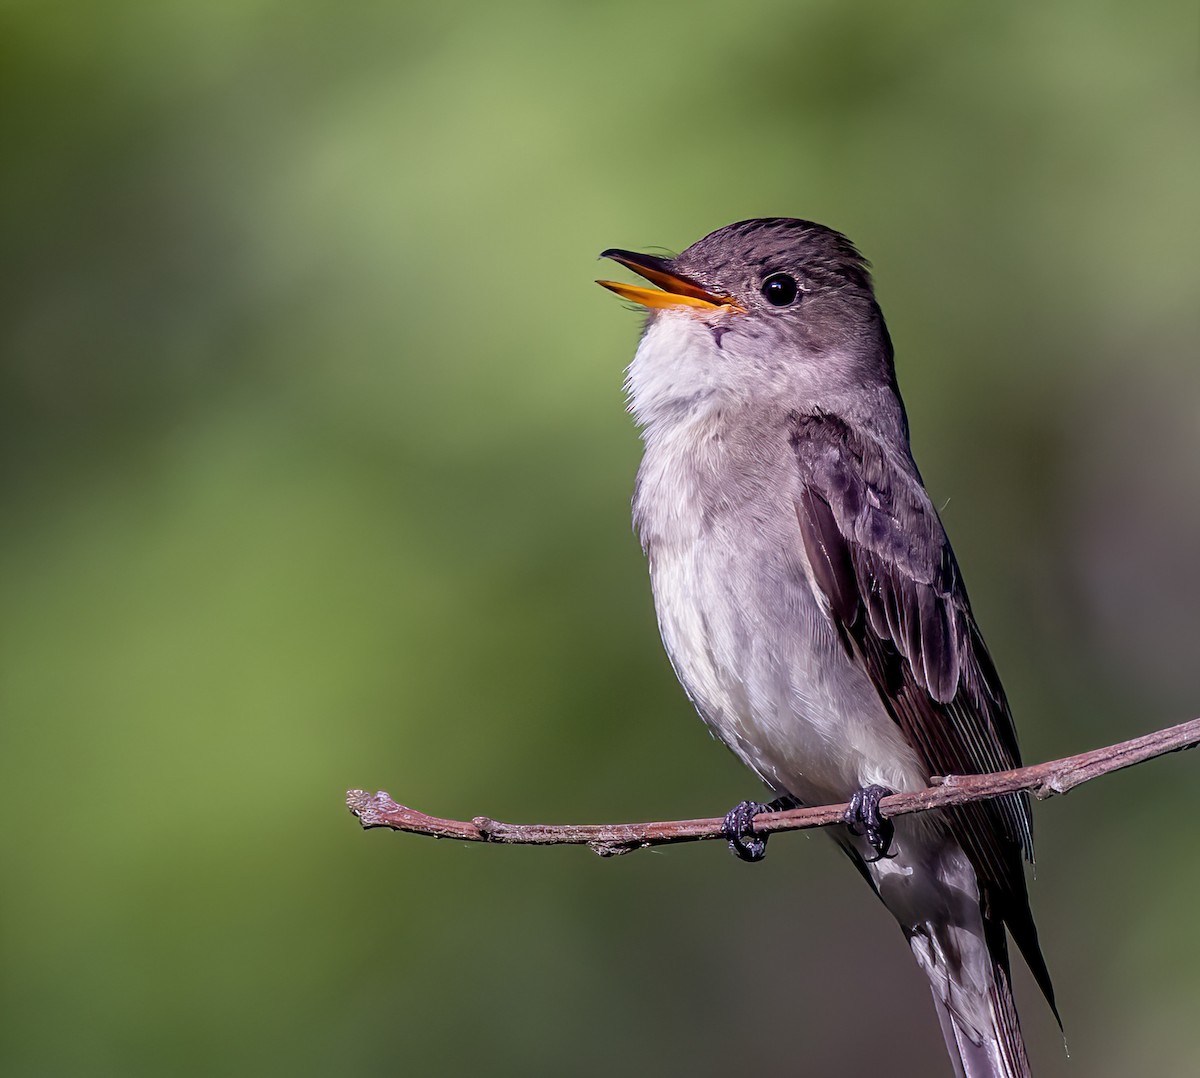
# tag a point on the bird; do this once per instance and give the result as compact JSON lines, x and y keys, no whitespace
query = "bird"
{"x":810,"y":602}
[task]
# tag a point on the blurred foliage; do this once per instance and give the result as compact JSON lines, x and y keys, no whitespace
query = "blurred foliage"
{"x":315,"y":474}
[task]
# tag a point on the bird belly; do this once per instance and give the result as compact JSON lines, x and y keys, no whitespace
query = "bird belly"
{"x":770,"y":677}
{"x":763,"y":665}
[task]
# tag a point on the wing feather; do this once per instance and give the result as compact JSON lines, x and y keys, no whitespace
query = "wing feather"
{"x":881,"y":558}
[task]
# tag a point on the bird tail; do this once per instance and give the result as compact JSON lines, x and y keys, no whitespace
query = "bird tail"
{"x":964,"y":953}
{"x":931,"y":889}
{"x":994,"y":1048}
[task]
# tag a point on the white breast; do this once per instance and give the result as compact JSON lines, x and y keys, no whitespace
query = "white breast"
{"x":740,"y":618}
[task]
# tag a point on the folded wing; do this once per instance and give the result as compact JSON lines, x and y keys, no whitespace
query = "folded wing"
{"x":881,"y":558}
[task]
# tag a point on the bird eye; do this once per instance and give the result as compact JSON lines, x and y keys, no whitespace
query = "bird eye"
{"x":779,"y":289}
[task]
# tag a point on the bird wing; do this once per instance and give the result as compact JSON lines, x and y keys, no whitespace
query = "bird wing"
{"x":881,"y":558}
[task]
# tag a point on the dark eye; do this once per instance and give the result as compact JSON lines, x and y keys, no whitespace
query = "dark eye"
{"x":779,"y":289}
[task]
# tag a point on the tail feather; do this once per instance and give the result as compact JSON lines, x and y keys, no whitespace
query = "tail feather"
{"x":996,"y":1052}
{"x":929,"y":885}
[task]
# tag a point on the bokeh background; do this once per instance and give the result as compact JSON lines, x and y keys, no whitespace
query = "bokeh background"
{"x":315,"y":474}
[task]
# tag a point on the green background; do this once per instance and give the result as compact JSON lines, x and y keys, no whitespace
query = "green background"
{"x":315,"y":474}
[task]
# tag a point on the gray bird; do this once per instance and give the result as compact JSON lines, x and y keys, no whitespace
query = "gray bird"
{"x":810,"y":602}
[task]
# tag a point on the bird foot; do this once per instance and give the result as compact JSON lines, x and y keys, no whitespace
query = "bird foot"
{"x":864,"y":818}
{"x":739,"y":827}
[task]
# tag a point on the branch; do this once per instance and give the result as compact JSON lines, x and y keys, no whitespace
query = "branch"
{"x":1043,"y":780}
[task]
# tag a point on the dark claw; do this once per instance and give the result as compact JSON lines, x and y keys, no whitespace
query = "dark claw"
{"x":739,"y":827}
{"x":863,"y":817}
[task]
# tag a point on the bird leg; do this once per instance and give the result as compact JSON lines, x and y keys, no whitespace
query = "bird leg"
{"x":739,"y":827}
{"x":864,"y":818}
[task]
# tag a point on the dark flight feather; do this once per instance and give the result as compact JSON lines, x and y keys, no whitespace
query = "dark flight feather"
{"x":880,"y":556}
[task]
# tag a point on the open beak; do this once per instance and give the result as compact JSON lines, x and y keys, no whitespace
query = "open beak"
{"x":674,"y":290}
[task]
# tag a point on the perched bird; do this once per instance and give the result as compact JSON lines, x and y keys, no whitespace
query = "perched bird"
{"x":810,"y":602}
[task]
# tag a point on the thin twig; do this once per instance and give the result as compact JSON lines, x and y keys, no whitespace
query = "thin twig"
{"x":1043,"y":780}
